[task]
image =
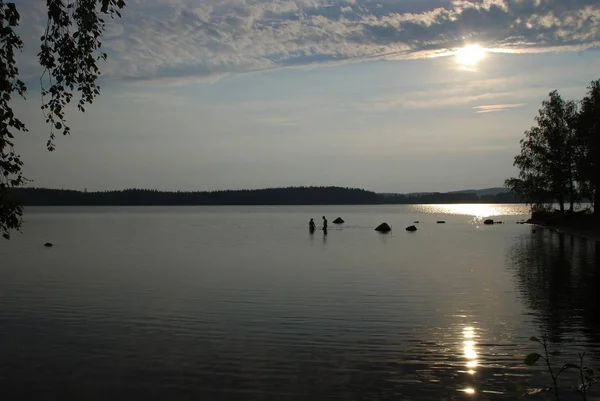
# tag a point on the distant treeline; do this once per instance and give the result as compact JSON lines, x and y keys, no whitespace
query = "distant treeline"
{"x":270,"y":196}
{"x":447,"y":197}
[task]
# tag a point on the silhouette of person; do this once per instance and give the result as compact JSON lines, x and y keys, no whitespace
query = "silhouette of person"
{"x":311,"y":225}
{"x":324,"y":223}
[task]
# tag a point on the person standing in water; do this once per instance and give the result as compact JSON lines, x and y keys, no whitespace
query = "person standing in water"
{"x":311,"y":225}
{"x":324,"y":223}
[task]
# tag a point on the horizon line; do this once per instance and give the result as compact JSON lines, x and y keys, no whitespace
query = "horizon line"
{"x":85,"y":190}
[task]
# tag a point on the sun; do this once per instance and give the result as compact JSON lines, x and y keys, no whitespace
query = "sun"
{"x":470,"y":55}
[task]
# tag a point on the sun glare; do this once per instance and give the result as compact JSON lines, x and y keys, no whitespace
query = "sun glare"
{"x":470,"y":55}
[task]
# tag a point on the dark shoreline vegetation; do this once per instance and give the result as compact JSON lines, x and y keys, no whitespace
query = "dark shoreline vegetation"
{"x":559,"y":163}
{"x":581,"y":223}
{"x":269,"y":196}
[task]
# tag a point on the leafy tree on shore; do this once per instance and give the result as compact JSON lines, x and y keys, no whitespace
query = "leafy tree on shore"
{"x":547,"y":162}
{"x":70,"y":49}
{"x":588,"y":145}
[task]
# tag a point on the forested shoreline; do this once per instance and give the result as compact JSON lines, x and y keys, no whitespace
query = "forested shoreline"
{"x":268,"y":196}
{"x":559,"y":160}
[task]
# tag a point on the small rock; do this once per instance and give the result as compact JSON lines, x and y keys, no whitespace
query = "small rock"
{"x":339,"y":220}
{"x":441,"y":222}
{"x":411,"y":228}
{"x":383,"y":228}
{"x":416,"y":222}
{"x":488,"y":222}
{"x":48,"y":244}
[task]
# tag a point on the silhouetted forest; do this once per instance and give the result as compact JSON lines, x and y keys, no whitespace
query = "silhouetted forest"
{"x":559,"y":160}
{"x":446,"y":197}
{"x":269,"y":196}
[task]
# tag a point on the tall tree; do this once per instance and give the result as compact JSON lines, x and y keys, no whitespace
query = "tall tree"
{"x":70,"y":50}
{"x":588,"y":140}
{"x":571,"y":120}
{"x":547,"y":160}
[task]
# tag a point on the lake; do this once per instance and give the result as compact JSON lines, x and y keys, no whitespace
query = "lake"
{"x":242,"y":303}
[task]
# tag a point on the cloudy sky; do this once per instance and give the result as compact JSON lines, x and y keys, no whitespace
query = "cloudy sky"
{"x":378,"y":94}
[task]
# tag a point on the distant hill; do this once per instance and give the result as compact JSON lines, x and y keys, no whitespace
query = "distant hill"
{"x":467,"y":196}
{"x":267,"y":196}
{"x":483,"y":192}
{"x":150,"y":197}
{"x":477,"y":192}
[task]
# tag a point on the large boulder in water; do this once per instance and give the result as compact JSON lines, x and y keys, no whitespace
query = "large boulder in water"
{"x":383,"y":228}
{"x":48,"y":245}
{"x":411,"y":228}
{"x":488,"y":222}
{"x":339,"y":220}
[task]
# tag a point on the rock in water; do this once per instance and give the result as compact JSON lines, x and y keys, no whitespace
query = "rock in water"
{"x":411,"y":228}
{"x":48,"y":244}
{"x":339,"y":220}
{"x":488,"y":222}
{"x":383,"y":228}
{"x":416,"y":222}
{"x":441,"y":222}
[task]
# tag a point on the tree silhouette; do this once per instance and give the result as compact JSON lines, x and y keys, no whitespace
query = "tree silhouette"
{"x":70,"y":50}
{"x":588,"y":144}
{"x":547,"y":161}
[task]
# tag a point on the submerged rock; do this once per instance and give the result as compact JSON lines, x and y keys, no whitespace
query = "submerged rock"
{"x":48,"y":244}
{"x":383,"y":228}
{"x":411,"y":228}
{"x":339,"y":220}
{"x":488,"y":222}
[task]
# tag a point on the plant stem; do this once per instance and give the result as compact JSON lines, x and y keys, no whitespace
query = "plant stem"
{"x":583,"y":382}
{"x":547,"y":359}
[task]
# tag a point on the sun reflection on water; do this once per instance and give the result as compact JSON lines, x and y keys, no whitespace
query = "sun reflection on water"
{"x":470,"y":354}
{"x":469,"y":350}
{"x":479,"y":210}
{"x":468,"y":390}
{"x":468,"y":332}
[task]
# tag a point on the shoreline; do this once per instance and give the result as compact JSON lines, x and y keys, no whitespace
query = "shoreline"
{"x":578,"y":224}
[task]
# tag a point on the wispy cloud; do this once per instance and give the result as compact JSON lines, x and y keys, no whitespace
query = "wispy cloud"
{"x":490,"y":108}
{"x":179,"y":40}
{"x":492,"y":92}
{"x":154,"y":98}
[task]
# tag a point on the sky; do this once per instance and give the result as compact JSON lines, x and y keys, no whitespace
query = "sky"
{"x":390,"y":96}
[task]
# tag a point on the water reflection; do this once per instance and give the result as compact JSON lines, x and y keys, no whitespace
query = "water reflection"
{"x":225,"y":319}
{"x":557,"y":276}
{"x":470,"y":355}
{"x":473,"y":209}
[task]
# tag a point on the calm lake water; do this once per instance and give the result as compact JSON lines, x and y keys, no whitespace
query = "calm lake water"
{"x":242,"y":303}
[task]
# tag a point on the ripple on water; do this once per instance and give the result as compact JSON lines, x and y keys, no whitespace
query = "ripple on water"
{"x":132,"y":313}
